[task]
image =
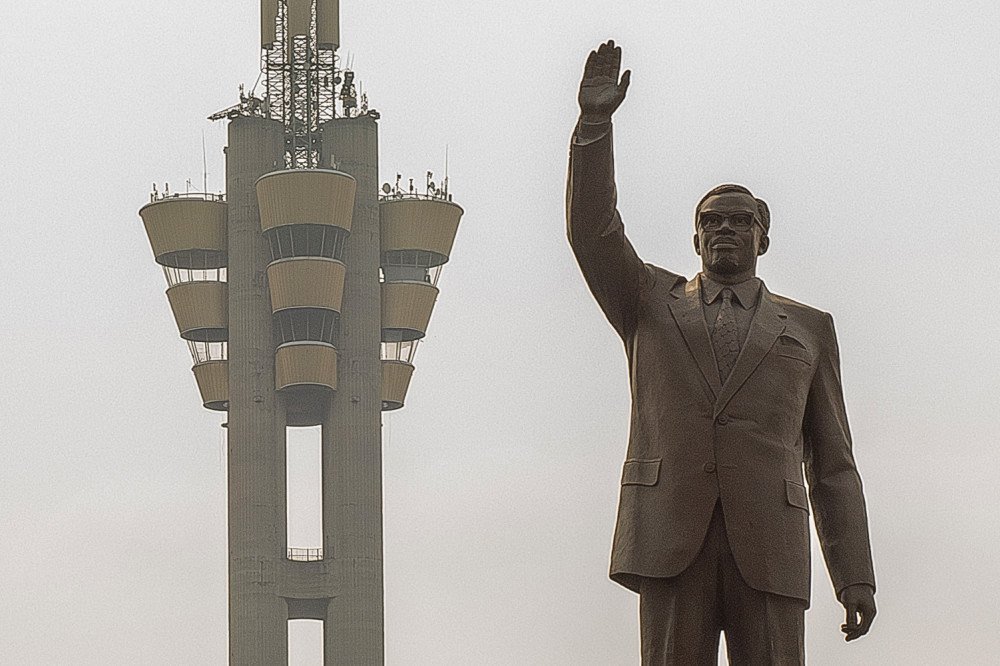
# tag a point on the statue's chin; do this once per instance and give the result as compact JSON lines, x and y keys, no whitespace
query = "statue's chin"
{"x":724,"y":266}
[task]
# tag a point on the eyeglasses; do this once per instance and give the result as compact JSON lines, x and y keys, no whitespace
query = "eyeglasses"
{"x":737,"y":221}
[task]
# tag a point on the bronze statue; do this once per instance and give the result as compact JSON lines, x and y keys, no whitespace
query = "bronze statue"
{"x":734,"y":391}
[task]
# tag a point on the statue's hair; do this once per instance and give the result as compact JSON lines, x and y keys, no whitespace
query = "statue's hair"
{"x":729,"y":188}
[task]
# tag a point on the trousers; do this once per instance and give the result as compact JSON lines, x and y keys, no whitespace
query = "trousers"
{"x":681,"y":618}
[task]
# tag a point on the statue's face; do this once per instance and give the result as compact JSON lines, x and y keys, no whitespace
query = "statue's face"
{"x":730,"y":235}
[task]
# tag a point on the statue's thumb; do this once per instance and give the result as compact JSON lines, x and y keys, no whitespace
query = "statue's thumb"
{"x":626,"y":79}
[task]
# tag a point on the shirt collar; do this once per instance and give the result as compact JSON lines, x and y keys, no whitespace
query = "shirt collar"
{"x":745,"y":292}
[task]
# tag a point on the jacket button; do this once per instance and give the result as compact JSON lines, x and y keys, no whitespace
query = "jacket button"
{"x":723,"y":420}
{"x":709,"y":467}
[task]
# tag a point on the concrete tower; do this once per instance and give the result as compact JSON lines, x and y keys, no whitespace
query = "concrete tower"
{"x":303,"y":293}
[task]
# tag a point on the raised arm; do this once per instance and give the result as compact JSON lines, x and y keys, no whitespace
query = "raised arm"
{"x":615,"y":274}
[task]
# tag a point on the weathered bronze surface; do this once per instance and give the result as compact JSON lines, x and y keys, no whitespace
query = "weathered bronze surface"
{"x":736,"y":405}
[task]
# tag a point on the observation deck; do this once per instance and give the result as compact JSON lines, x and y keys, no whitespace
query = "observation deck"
{"x":417,"y":236}
{"x":187,"y":233}
{"x":306,"y":215}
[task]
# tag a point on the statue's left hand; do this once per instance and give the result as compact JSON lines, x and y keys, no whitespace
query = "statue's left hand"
{"x":858,"y":600}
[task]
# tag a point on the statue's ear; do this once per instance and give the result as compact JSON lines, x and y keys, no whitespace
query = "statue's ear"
{"x":765,"y":242}
{"x":697,"y":245}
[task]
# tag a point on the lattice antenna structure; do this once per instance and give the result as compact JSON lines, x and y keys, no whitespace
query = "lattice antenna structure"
{"x":301,"y":72}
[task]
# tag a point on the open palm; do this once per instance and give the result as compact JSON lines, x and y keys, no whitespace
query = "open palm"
{"x":601,"y":92}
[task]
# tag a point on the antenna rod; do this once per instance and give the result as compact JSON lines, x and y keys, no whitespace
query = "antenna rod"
{"x":204,"y":164}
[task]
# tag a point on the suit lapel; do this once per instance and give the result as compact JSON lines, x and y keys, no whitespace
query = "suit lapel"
{"x":768,"y":323}
{"x":690,"y":319}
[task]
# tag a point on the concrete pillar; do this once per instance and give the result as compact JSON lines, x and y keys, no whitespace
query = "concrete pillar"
{"x":352,"y":436}
{"x":258,"y":617}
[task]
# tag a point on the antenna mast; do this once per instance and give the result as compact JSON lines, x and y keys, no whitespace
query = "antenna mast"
{"x":301,"y":72}
{"x":204,"y":164}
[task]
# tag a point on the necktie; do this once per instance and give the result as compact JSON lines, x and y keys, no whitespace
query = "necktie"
{"x":725,"y":336}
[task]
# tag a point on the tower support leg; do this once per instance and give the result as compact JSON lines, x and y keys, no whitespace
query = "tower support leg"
{"x":258,"y":616}
{"x":352,"y":435}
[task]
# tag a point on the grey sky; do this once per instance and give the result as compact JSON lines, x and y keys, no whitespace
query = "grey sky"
{"x":870,"y":128}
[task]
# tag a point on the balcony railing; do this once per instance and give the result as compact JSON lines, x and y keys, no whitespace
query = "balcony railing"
{"x":305,"y":554}
{"x":155,"y":196}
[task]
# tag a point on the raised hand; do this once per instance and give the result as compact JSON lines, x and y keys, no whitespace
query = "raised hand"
{"x":858,"y":600}
{"x":601,"y":93}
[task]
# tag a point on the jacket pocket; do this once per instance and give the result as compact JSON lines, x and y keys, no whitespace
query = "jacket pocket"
{"x":795,"y":493}
{"x":798,"y":353}
{"x":641,"y":472}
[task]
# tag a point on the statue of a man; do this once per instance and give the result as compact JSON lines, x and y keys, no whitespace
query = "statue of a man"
{"x":734,"y":391}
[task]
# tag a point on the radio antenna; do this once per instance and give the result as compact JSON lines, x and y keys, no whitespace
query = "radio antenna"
{"x":204,"y":164}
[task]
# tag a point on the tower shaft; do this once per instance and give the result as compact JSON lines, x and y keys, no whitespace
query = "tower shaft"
{"x":266,"y":589}
{"x":258,"y":617}
{"x":352,"y":435}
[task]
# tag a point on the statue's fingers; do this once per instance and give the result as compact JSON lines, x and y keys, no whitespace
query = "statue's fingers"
{"x":616,"y":61}
{"x":600,"y":62}
{"x":590,"y":69}
{"x":607,"y":54}
{"x":613,"y":57}
{"x":851,"y":626}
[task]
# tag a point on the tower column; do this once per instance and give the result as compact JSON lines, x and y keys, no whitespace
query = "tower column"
{"x":258,"y":617}
{"x":352,"y":436}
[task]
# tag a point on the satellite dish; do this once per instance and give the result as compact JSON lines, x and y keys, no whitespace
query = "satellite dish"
{"x":432,"y":185}
{"x":386,"y":188}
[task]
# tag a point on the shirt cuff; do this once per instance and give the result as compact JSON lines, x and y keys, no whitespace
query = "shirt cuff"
{"x":844,"y":587}
{"x":588,"y":133}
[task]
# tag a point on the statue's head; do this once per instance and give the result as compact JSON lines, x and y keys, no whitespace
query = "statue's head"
{"x":731,"y":226}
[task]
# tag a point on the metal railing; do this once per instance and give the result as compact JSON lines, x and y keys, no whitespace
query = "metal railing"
{"x":305,"y":554}
{"x":203,"y":196}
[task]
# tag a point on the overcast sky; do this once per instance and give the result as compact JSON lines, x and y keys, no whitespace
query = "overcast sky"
{"x":870,"y":127}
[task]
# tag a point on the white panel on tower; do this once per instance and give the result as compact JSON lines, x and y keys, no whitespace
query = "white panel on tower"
{"x":328,"y":23}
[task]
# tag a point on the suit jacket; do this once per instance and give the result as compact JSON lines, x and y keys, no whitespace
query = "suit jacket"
{"x":694,"y":441}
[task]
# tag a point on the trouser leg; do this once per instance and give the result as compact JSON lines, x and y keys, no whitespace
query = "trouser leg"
{"x":762,"y":629}
{"x":679,"y":617}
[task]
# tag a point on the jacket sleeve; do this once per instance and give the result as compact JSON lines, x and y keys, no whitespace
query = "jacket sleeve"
{"x":615,"y":274}
{"x":834,"y":483}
